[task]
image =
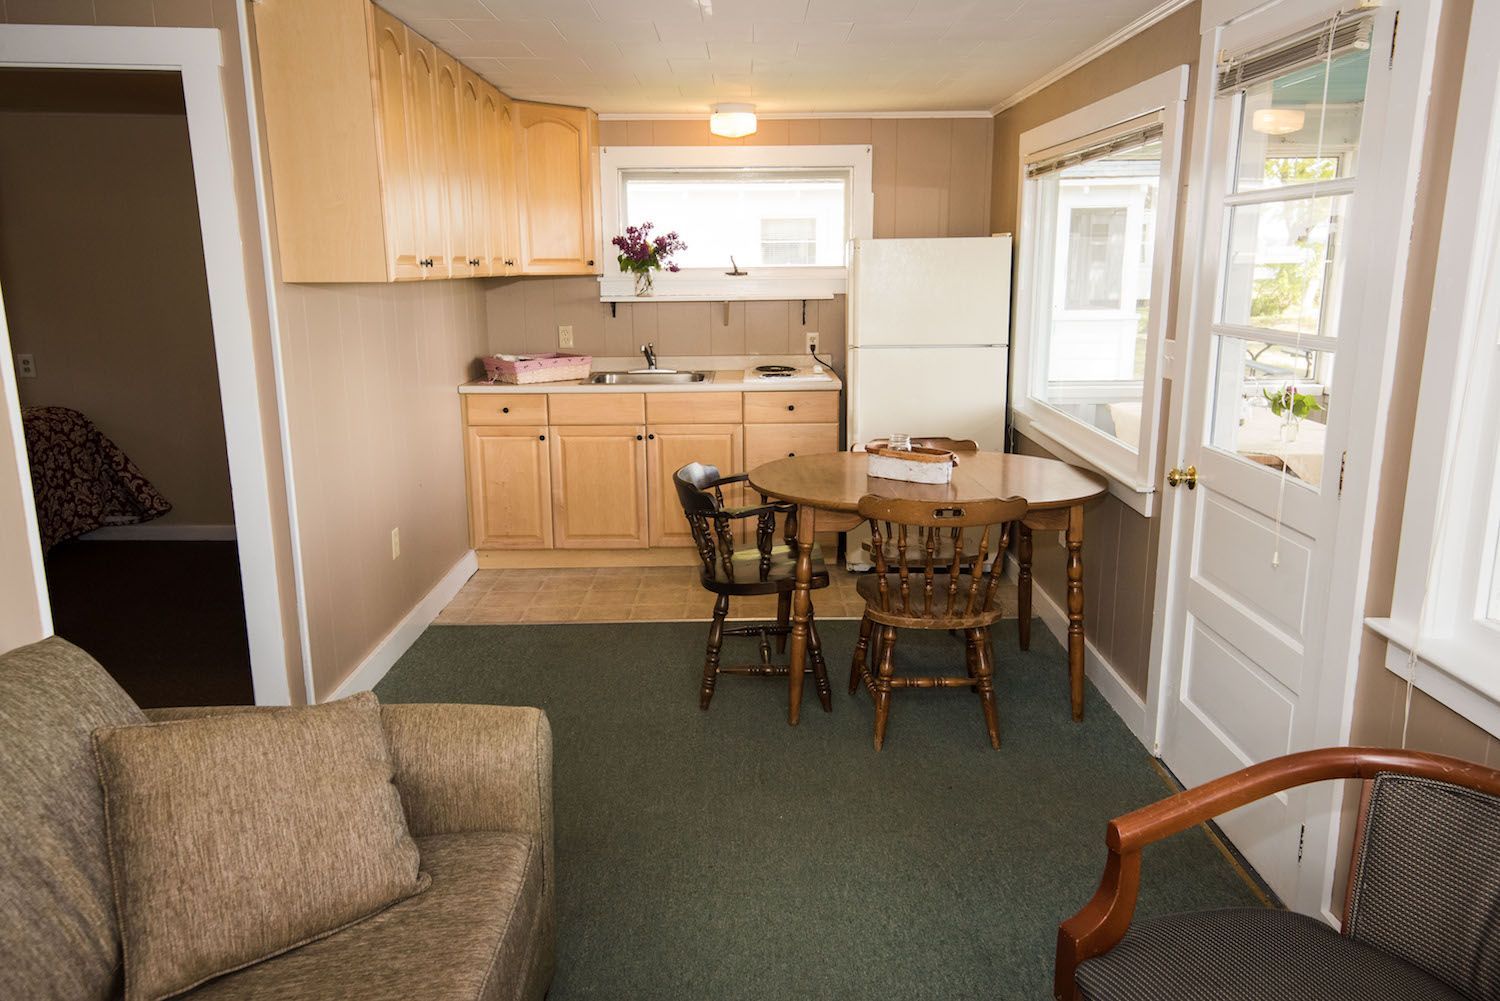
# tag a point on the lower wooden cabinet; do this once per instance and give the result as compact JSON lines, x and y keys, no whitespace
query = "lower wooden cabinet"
{"x":510,"y":487}
{"x":669,"y":447}
{"x":599,"y":486}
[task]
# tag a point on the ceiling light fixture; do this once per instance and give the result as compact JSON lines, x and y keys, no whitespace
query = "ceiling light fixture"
{"x":1278,"y":121}
{"x":732,"y":121}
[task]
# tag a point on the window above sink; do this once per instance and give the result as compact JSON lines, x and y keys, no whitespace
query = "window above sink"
{"x":785,"y":214}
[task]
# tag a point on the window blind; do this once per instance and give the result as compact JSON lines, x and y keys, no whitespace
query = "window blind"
{"x":1333,"y":37}
{"x":1127,"y":136}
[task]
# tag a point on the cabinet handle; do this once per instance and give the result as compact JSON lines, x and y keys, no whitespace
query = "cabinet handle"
{"x":791,"y":455}
{"x":791,"y":406}
{"x":637,"y":437}
{"x":651,"y":436}
{"x":505,"y":410}
{"x":541,"y":437}
{"x":591,"y":264}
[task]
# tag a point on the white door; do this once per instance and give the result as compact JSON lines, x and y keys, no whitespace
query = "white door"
{"x":954,"y":290}
{"x":1269,"y":383}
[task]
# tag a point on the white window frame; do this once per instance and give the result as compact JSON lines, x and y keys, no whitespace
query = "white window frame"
{"x":712,"y":283}
{"x":1132,"y":473}
{"x":1448,"y":531}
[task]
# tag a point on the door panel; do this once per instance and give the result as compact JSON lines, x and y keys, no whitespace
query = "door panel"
{"x":556,"y":190}
{"x":510,"y":488}
{"x":398,"y":168}
{"x":669,"y":447}
{"x":476,"y":177}
{"x":450,"y":133}
{"x":599,"y":486}
{"x":427,"y":150}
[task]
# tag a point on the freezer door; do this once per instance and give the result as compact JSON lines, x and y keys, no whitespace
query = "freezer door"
{"x":930,"y":292}
{"x":958,"y":392}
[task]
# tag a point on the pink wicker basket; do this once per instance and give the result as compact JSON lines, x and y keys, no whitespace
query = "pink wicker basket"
{"x":524,"y":370}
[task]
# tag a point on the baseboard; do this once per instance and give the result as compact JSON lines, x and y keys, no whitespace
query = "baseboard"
{"x":1127,"y":705}
{"x":153,"y":532}
{"x":399,"y":640}
{"x":554,"y":559}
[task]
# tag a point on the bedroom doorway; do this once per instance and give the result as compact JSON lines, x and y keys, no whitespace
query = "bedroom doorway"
{"x":117,"y":380}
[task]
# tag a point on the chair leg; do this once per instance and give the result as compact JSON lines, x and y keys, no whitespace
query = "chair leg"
{"x":783,"y":617}
{"x":819,"y":665}
{"x":883,"y":683}
{"x":987,"y":687}
{"x":971,"y":657}
{"x":861,"y":650}
{"x":715,"y":643}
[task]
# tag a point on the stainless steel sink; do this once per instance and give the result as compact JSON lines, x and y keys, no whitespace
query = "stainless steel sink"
{"x":645,"y":378}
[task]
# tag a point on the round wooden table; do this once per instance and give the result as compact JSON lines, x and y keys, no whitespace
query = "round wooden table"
{"x":834,"y":483}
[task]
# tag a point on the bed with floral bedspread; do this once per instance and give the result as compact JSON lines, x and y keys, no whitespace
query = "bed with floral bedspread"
{"x":81,"y":480}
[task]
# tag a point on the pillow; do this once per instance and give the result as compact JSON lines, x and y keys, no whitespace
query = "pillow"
{"x":234,"y":838}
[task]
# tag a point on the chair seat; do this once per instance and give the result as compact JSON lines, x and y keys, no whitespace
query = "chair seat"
{"x":465,"y":936}
{"x":869,"y":589}
{"x":780,"y":578}
{"x":1250,"y":954}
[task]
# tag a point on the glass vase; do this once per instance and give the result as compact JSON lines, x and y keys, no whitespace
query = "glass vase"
{"x":644,"y":284}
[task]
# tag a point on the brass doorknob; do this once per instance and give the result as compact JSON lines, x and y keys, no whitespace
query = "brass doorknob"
{"x":1177,"y":477}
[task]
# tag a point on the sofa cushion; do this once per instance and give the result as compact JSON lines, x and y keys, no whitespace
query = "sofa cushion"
{"x":57,"y":914}
{"x":234,"y":838}
{"x":472,"y":935}
{"x":1249,"y":954}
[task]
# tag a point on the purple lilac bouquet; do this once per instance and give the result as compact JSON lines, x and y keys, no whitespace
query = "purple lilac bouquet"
{"x":640,"y":253}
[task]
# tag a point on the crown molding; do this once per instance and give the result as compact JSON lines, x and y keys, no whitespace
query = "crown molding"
{"x":1157,"y":14}
{"x":770,"y":116}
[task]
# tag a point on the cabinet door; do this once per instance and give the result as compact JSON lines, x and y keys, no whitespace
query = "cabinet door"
{"x":669,"y":447}
{"x":476,"y":173}
{"x":599,"y":486}
{"x":510,"y":488}
{"x":767,"y":442}
{"x":556,"y":202}
{"x":455,"y":187}
{"x":497,"y":123}
{"x":427,"y":150}
{"x":398,"y":169}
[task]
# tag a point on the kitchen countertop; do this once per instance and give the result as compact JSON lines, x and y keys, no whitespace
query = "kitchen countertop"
{"x":720,"y":381}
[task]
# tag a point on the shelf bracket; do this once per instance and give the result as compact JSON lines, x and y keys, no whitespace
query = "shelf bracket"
{"x":612,"y":305}
{"x":726,"y":312}
{"x":804,"y":312}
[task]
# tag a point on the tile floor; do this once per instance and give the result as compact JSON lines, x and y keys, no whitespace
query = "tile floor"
{"x":627,"y":594}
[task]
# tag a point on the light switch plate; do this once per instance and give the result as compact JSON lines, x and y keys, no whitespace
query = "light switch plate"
{"x":25,"y":366}
{"x":565,"y":336}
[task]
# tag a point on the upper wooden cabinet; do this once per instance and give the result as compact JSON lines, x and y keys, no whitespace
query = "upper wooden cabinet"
{"x":391,"y":161}
{"x":554,"y":156}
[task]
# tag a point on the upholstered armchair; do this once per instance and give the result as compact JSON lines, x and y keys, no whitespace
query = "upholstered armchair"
{"x":1421,"y":919}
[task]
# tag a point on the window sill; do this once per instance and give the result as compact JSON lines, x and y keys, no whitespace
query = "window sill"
{"x":1139,"y":497}
{"x":1447,"y":671}
{"x":684,"y":287}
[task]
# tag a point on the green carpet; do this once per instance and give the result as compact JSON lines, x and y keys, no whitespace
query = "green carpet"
{"x":724,"y":855}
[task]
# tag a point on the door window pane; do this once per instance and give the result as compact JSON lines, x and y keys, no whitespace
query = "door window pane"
{"x":1282,"y":260}
{"x":1291,"y":134}
{"x":1270,"y":405}
{"x":763,"y":218}
{"x":1096,"y":235}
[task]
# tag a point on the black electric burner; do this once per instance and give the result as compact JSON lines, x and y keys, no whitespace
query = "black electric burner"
{"x":775,"y":369}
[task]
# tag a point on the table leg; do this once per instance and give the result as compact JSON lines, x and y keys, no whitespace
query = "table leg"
{"x":1075,"y":609}
{"x":801,"y":605}
{"x":1023,"y":585}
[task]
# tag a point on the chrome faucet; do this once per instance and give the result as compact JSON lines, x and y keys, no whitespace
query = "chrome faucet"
{"x":649,"y":350}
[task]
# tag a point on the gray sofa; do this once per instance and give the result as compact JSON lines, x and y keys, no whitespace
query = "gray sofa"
{"x":476,"y":785}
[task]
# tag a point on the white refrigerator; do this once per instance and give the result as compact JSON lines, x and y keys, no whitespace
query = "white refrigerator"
{"x":928,"y":329}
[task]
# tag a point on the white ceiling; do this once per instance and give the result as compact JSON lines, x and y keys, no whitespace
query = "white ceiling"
{"x":679,"y":56}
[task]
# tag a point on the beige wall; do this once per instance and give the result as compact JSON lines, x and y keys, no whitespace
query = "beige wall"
{"x":1119,"y":564}
{"x":932,"y":177}
{"x":220,"y":14}
{"x":377,"y":444}
{"x":128,"y":343}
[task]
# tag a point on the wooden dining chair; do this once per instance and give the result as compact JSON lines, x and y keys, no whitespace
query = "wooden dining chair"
{"x":913,"y":595}
{"x":728,"y":572}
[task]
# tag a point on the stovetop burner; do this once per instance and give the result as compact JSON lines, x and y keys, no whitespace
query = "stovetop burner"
{"x":775,"y":369}
{"x":776,"y":375}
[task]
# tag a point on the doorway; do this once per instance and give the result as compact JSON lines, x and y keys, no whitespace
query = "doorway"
{"x":117,"y":380}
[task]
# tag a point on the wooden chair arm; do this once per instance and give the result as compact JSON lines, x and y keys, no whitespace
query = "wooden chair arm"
{"x":758,"y":509}
{"x":1103,"y":921}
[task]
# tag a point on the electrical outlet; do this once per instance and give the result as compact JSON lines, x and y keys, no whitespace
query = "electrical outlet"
{"x":395,"y":543}
{"x":812,"y":342}
{"x":25,"y":367}
{"x":565,"y":336}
